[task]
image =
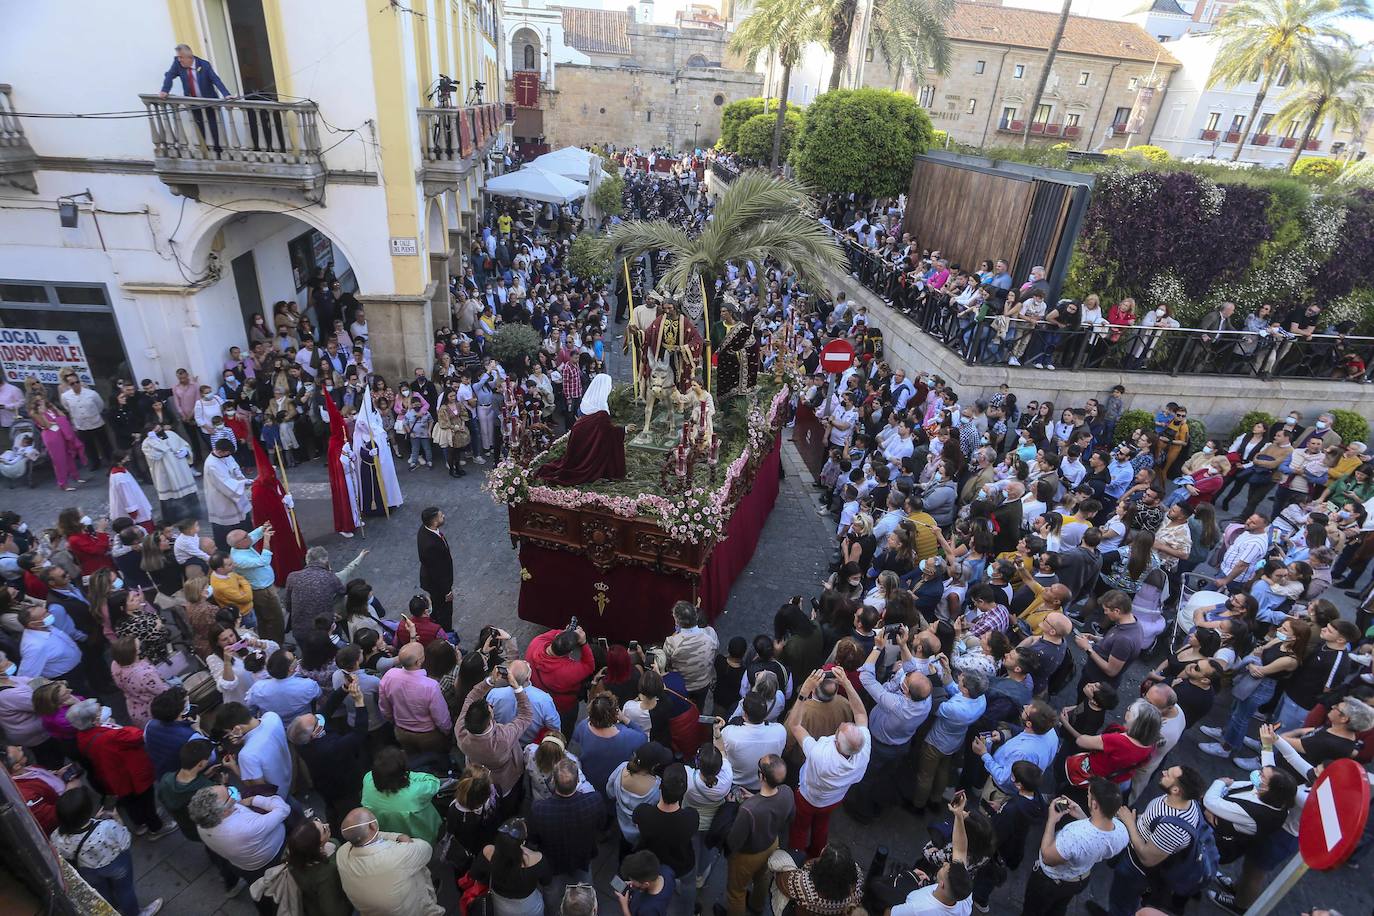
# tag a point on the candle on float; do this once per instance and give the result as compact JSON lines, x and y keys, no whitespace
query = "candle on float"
{"x":681,"y":454}
{"x":715,"y":448}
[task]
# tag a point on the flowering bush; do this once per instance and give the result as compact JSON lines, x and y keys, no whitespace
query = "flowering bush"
{"x":508,"y":483}
{"x":1318,"y":169}
{"x":694,"y":516}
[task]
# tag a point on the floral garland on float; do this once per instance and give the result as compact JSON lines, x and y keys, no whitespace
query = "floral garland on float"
{"x":697,"y":513}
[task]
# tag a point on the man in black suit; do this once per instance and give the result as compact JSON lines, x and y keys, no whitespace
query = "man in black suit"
{"x":436,"y":566}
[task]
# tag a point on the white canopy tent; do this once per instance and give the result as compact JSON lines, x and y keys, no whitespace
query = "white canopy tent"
{"x":536,"y":184}
{"x":570,"y":162}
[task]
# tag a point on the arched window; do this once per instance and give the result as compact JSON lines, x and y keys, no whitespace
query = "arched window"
{"x":531,"y":58}
{"x":696,"y":60}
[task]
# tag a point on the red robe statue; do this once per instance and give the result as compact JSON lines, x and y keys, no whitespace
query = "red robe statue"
{"x":596,"y":446}
{"x":338,"y":483}
{"x":288,"y":547}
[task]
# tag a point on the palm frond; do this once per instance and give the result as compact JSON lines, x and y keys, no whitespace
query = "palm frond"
{"x":1259,"y":39}
{"x":631,"y":239}
{"x":911,"y":33}
{"x":1338,"y":85}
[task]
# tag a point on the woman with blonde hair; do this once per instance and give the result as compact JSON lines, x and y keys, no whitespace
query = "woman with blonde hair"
{"x":540,"y":759}
{"x":59,"y":441}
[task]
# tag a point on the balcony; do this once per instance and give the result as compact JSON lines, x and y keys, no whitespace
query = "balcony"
{"x":1259,"y":140}
{"x":17,"y":159}
{"x":1209,"y":134}
{"x":1233,"y":136}
{"x":1037,"y":127}
{"x":1073,"y":131}
{"x":1313,"y":145}
{"x":1118,"y":130}
{"x":208,"y":143}
{"x":454,"y":139}
{"x":1288,"y":142}
{"x":1052,"y":130}
{"x":1013,"y":127}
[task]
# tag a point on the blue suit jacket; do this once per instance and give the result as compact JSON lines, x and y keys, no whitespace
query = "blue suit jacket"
{"x":207,"y":80}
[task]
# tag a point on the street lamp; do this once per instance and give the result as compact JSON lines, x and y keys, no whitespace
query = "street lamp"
{"x":695,"y":126}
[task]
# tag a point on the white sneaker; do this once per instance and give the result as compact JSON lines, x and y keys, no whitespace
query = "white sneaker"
{"x":1247,"y":763}
{"x":1049,"y":366}
{"x":479,"y":460}
{"x":1253,"y":744}
{"x":345,"y":534}
{"x":1214,"y":749}
{"x":167,"y":828}
{"x":151,"y":908}
{"x":1211,"y":731}
{"x":1013,"y":361}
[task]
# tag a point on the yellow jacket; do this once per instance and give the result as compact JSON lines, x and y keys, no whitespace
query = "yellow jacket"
{"x":232,"y":591}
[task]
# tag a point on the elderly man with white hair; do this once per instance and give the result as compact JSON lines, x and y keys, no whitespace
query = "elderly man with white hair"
{"x":256,"y":567}
{"x":833,"y":764}
{"x":249,"y":833}
{"x":384,"y":873}
{"x":312,"y":591}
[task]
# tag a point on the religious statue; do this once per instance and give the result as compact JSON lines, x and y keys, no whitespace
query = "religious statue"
{"x":596,"y":446}
{"x":644,"y":315}
{"x":737,"y":369}
{"x":672,"y":340}
{"x":698,"y":408}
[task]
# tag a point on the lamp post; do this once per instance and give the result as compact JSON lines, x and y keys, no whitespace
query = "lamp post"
{"x":696,"y":125}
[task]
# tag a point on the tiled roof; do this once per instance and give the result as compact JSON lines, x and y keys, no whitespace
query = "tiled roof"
{"x":1005,"y":25}
{"x":597,"y":31}
{"x":1168,"y":6}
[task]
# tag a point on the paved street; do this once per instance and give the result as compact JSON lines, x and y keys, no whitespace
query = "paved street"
{"x":792,"y":557}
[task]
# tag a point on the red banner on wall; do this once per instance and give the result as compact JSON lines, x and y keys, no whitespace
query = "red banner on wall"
{"x":465,"y":132}
{"x":527,"y":89}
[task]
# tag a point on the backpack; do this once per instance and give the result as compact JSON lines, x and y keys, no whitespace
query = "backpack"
{"x":1188,"y":871}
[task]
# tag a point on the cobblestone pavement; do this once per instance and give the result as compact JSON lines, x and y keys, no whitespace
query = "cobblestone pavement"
{"x":792,"y":557}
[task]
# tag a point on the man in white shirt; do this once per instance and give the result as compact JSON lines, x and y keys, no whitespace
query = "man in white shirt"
{"x":900,"y":446}
{"x":1067,"y":857}
{"x":305,"y":357}
{"x":833,"y":764}
{"x":1238,"y":563}
{"x":87,"y":411}
{"x":751,"y":740}
{"x":250,"y":834}
{"x":951,"y":893}
{"x":265,"y":756}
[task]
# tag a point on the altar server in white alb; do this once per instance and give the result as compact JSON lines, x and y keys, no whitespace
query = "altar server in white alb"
{"x":227,"y":499}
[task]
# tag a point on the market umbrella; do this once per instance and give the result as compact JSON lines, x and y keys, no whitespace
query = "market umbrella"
{"x":536,"y":184}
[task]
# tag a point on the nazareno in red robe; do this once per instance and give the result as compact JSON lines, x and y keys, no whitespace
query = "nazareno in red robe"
{"x":288,"y":547}
{"x":596,"y":451}
{"x":338,"y":486}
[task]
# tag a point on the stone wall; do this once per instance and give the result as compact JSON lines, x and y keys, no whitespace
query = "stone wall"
{"x":1217,"y":400}
{"x":642,"y":106}
{"x":1093,"y":105}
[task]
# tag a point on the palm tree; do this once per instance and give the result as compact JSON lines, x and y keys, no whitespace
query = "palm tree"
{"x":1338,"y":85}
{"x":911,"y":36}
{"x":1263,"y":39}
{"x":784,"y":28}
{"x":1045,"y":70}
{"x":909,"y":33}
{"x":758,"y":217}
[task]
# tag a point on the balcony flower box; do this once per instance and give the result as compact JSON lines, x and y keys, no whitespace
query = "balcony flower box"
{"x":1260,"y":140}
{"x":1232,"y":136}
{"x":1118,"y":130}
{"x":1018,"y":126}
{"x":1037,"y":127}
{"x":1288,"y":142}
{"x":1313,"y":144}
{"x":1072,"y":131}
{"x":1051,"y":130}
{"x":1210,"y":134}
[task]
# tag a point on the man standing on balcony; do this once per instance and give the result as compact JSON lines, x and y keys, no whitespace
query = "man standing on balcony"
{"x":198,"y":81}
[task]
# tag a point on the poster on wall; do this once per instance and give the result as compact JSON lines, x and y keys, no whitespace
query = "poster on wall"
{"x":28,"y":352}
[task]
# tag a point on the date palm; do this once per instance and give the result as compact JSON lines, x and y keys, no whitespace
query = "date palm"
{"x":1338,"y":86}
{"x":908,"y":33}
{"x":1261,"y":39}
{"x":783,"y":28}
{"x":758,"y":217}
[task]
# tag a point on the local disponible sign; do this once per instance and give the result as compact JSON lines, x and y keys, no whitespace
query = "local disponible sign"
{"x":26,"y":352}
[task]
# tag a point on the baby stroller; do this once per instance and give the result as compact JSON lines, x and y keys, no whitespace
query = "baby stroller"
{"x":24,"y":454}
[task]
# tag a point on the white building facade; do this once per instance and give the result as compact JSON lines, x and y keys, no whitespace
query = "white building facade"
{"x":191,"y":216}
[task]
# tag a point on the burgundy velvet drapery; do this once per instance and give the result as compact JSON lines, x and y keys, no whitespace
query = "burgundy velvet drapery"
{"x":557,"y":584}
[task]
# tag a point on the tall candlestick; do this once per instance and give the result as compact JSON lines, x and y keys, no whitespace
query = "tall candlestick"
{"x":715,"y":448}
{"x":682,"y":461}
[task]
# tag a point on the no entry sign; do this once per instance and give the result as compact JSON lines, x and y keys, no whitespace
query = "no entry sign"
{"x":837,"y":356}
{"x":1334,"y":817}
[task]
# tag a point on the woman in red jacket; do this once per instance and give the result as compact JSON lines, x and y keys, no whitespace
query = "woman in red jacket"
{"x":119,"y":763}
{"x":87,"y":541}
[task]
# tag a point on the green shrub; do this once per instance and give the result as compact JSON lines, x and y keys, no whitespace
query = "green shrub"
{"x":861,"y":141}
{"x":1197,"y":435}
{"x":1350,"y":426}
{"x":733,"y":116}
{"x":587,"y":258}
{"x":1250,"y":419}
{"x":1318,"y":169}
{"x":1154,"y":155}
{"x":609,"y":196}
{"x":514,"y":345}
{"x":1130,"y":421}
{"x":754,"y":139}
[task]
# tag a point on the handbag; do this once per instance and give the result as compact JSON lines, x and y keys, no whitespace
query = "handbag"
{"x":721,"y":824}
{"x":685,"y":727}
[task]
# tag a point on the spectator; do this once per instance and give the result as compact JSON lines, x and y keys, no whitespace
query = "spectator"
{"x":384,"y":873}
{"x":97,"y":846}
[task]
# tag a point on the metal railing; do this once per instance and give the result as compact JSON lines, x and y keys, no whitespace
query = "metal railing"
{"x":725,"y":172}
{"x":234,"y":130}
{"x":442,"y":133}
{"x":1013,"y":342}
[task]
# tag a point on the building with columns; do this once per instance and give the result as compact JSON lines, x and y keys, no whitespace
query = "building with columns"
{"x":154,"y":228}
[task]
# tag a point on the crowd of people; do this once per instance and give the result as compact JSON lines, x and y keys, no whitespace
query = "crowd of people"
{"x":1001,"y":573}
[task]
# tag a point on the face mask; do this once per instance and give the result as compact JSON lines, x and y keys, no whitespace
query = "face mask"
{"x":209,"y":590}
{"x":1159,"y":313}
{"x":186,"y":710}
{"x":49,"y":620}
{"x":1283,"y":637}
{"x":234,"y":793}
{"x":85,"y":520}
{"x":105,"y":713}
{"x":319,"y":725}
{"x":1321,"y":424}
{"x":1255,"y":777}
{"x":117,"y":584}
{"x":1207,"y":450}
{"x":11,"y":669}
{"x":23,"y":528}
{"x":938,"y":477}
{"x":982,"y":494}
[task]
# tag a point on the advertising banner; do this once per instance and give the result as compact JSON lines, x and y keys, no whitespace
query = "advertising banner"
{"x":28,"y":352}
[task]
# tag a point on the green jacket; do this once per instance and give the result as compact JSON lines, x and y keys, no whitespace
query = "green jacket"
{"x":410,"y":810}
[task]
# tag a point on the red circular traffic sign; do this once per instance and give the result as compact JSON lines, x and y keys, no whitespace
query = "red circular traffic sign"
{"x":837,"y":356}
{"x":1334,"y":817}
